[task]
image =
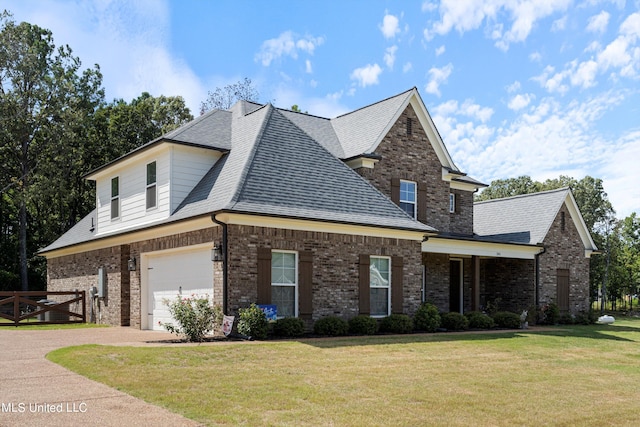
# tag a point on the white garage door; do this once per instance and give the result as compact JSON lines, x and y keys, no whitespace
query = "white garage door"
{"x":182,"y":273}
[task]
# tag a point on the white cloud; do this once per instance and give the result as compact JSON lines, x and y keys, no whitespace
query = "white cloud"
{"x":286,"y":44}
{"x":535,"y":57}
{"x":407,"y":67}
{"x":559,"y":24}
{"x":585,"y":74}
{"x":367,"y":75}
{"x":520,"y":101}
{"x":308,"y":67}
{"x":514,"y":87}
{"x":470,"y":15}
{"x":389,"y":26}
{"x":620,"y":174}
{"x":438,"y":76}
{"x":440,"y":50}
{"x":598,"y":23}
{"x":390,"y":56}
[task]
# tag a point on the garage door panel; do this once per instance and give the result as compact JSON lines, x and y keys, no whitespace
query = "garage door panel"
{"x":181,"y":273}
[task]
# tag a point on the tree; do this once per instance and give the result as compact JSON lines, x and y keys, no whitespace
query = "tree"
{"x":43,"y":98}
{"x":224,"y":98}
{"x":502,"y":188}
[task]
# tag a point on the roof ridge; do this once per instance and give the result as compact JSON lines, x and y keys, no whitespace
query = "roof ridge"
{"x":520,"y":196}
{"x":375,"y":103}
{"x":250,"y":157}
{"x":304,"y":114}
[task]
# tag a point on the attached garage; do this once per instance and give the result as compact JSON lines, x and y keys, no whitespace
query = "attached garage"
{"x":166,"y":274}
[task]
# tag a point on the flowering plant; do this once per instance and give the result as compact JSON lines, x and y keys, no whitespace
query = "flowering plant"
{"x":195,"y":317}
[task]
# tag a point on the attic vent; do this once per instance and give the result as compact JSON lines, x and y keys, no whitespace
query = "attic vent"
{"x":409,"y":126}
{"x":562,"y":221}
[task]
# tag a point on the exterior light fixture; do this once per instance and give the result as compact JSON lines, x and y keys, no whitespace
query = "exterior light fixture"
{"x":216,"y":252}
{"x":131,"y":264}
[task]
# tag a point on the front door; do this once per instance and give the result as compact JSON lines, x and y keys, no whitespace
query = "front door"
{"x":455,"y":285}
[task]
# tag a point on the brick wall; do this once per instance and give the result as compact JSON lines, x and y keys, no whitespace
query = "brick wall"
{"x":511,"y":280}
{"x":335,"y":266}
{"x":80,"y":271}
{"x":564,"y":251}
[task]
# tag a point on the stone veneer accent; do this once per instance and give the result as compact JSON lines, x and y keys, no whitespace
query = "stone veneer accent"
{"x":564,"y":251}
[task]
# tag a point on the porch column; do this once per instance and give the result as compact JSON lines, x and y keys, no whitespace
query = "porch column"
{"x":475,"y":283}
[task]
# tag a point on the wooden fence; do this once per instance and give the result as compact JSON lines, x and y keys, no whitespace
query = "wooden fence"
{"x":34,"y":308}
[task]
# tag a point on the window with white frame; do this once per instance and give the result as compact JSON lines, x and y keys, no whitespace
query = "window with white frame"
{"x":380,"y":285}
{"x":152,"y":192}
{"x":452,"y":203}
{"x":284,"y":282}
{"x":115,"y":197}
{"x":408,"y":197}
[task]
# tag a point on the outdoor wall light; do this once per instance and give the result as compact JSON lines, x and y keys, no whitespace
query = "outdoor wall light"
{"x":216,"y":252}
{"x":131,"y":264}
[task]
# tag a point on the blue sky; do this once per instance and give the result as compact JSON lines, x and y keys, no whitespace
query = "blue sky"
{"x":516,"y":87}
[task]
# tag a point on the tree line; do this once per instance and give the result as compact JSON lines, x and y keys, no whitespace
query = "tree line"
{"x":615,"y":272}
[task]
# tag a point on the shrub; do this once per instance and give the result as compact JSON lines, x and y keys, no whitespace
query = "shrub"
{"x":566,"y":319}
{"x":549,"y":314}
{"x":427,"y":318}
{"x":253,"y":322}
{"x":363,"y":325}
{"x":397,"y":324}
{"x":195,"y":317}
{"x":288,"y":327}
{"x":331,"y":326}
{"x":493,"y":306}
{"x":507,"y":319}
{"x":479,"y":320}
{"x":454,"y":321}
{"x":586,"y":317}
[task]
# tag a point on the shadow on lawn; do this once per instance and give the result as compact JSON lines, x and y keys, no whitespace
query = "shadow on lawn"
{"x":600,"y":332}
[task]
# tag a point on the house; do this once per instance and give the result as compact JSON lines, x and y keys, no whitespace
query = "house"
{"x":365,"y":213}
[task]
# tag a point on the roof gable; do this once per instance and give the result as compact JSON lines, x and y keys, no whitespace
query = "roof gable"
{"x":527,"y":218}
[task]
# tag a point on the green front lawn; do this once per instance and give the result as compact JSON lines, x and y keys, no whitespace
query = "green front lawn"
{"x":573,"y":375}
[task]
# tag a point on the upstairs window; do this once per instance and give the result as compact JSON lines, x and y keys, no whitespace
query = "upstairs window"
{"x":115,"y":197}
{"x":408,"y":197}
{"x":152,"y":193}
{"x":452,"y":203}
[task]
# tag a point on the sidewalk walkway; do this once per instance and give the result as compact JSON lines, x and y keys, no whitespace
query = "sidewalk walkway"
{"x":33,"y":389}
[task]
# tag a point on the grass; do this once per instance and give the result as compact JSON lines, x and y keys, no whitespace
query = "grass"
{"x":574,"y":375}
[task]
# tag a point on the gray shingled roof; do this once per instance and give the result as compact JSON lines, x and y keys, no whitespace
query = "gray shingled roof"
{"x":359,"y":130}
{"x":273,"y":167}
{"x":520,"y":219}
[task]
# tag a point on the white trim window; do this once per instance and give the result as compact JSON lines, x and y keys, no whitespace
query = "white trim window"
{"x":380,"y":285}
{"x":452,"y":203}
{"x":284,"y":283}
{"x":408,"y":197}
{"x":152,"y":190}
{"x":115,"y":198}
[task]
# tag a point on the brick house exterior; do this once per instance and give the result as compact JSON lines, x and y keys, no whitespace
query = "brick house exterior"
{"x":394,"y":226}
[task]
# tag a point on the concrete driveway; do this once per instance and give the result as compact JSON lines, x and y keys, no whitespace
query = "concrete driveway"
{"x":37,"y":392}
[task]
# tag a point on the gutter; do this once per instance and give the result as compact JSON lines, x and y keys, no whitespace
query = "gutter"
{"x":224,"y":261}
{"x":537,"y":289}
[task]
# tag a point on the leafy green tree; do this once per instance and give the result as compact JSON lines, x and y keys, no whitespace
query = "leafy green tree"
{"x":223,"y":98}
{"x":502,"y":188}
{"x":43,"y":98}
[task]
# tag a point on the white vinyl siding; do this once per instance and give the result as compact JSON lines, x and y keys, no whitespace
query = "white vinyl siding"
{"x":178,"y":171}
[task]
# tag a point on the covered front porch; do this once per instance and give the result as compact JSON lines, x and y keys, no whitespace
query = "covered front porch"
{"x":466,"y":274}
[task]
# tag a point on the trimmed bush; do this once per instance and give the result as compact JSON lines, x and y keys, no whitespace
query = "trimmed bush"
{"x":479,"y":320}
{"x":253,"y":322}
{"x":507,"y":319}
{"x":363,"y":325}
{"x":566,"y":319}
{"x":288,"y":327}
{"x":549,"y":314}
{"x":586,"y":317}
{"x":397,"y":324}
{"x":331,"y":326}
{"x":427,"y":318}
{"x":453,"y":321}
